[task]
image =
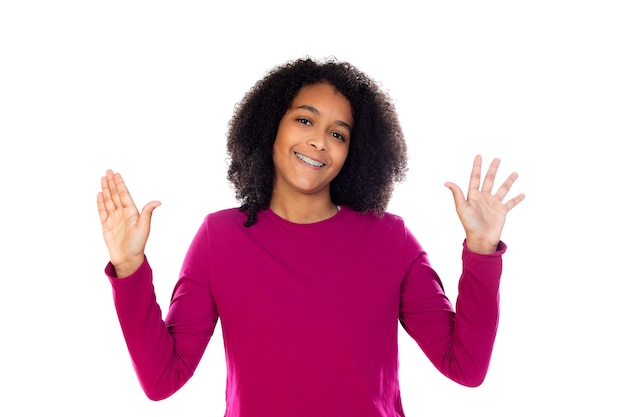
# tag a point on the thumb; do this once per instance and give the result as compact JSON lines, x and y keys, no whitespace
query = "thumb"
{"x":457,"y":194}
{"x":146,"y":213}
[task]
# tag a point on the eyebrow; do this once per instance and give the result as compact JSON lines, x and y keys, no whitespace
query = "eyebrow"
{"x":317,"y":112}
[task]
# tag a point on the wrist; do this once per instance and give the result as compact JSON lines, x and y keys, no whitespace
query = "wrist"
{"x":480,"y":247}
{"x":127,"y":268}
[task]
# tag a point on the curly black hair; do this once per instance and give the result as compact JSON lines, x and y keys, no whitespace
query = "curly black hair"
{"x":377,"y":157}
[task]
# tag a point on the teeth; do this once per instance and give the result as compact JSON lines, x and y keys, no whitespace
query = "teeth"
{"x":309,"y":160}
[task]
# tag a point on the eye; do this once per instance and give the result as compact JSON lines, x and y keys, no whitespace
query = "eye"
{"x":339,"y":136}
{"x":304,"y":121}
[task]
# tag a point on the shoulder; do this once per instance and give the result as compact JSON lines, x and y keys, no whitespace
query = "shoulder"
{"x":383,"y":226}
{"x":384,"y":220}
{"x":223,"y":220}
{"x":385,"y":233}
{"x":226,"y":214}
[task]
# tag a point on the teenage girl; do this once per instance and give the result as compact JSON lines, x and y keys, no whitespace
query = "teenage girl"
{"x":310,"y":276}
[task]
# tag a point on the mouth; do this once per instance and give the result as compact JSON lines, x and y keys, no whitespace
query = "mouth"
{"x":309,"y":161}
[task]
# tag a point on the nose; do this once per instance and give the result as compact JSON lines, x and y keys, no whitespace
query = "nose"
{"x":318,"y":140}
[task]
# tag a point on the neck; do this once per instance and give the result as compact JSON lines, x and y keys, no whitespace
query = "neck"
{"x":304,"y":209}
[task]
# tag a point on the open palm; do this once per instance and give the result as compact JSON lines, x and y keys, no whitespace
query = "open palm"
{"x":124,"y":228}
{"x":482,"y":213}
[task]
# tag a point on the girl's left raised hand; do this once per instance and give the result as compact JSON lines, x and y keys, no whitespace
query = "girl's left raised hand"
{"x":483,"y":213}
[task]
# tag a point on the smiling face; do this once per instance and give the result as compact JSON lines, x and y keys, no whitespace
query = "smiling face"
{"x":312,"y":142}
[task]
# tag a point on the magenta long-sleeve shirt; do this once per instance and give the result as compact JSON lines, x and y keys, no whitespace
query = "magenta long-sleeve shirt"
{"x":309,"y":314}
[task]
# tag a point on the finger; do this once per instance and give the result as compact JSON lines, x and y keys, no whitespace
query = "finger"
{"x":514,"y":201}
{"x":108,"y":203}
{"x":457,"y":194}
{"x":102,"y":211}
{"x":120,"y":195}
{"x":146,"y":214}
{"x":112,"y":186}
{"x":490,"y":177}
{"x":475,"y":175}
{"x":124,"y":195}
{"x":506,"y":186}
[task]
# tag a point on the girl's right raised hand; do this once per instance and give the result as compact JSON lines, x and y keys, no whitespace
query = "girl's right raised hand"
{"x":125,"y":230}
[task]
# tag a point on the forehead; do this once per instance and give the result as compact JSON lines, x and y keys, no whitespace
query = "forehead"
{"x":325,"y":98}
{"x":320,"y":88}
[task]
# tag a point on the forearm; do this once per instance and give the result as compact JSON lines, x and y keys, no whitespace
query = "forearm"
{"x":477,"y":312}
{"x":149,"y":342}
{"x":458,"y":341}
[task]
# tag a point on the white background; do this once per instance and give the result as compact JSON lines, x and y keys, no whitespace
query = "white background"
{"x":147,"y":89}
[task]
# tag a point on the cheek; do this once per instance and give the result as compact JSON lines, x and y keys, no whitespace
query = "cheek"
{"x":279,"y":141}
{"x":344,"y":155}
{"x":276,"y":147}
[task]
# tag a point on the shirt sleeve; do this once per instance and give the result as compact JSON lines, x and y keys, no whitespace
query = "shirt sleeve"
{"x":457,"y":341}
{"x":165,"y":353}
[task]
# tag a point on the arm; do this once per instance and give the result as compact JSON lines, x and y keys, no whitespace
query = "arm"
{"x":164,"y":354}
{"x":459,"y":343}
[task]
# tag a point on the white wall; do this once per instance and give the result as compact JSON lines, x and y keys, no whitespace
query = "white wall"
{"x":147,"y":88}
